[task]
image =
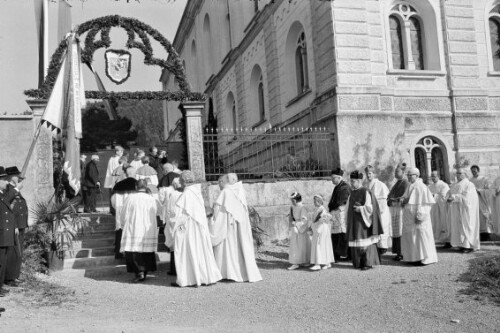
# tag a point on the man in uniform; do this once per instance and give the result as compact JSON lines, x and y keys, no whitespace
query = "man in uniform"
{"x":20,"y":210}
{"x":7,"y":228}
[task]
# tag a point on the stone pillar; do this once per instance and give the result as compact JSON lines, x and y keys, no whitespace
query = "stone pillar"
{"x":40,"y":168}
{"x":194,"y":138}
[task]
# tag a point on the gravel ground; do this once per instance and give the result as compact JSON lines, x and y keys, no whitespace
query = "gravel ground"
{"x":394,"y":297}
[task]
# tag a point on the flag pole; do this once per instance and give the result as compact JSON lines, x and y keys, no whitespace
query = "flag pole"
{"x":32,"y":147}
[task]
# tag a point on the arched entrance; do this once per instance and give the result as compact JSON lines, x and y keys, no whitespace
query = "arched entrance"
{"x":430,"y":154}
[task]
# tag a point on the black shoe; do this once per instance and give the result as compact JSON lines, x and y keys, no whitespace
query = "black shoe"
{"x":365,"y":268}
{"x":139,"y":277}
{"x":467,"y":250}
{"x":398,"y":258}
{"x":174,"y":284}
{"x":447,"y":246}
{"x":2,"y":309}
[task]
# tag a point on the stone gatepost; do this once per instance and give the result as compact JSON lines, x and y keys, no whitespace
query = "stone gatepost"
{"x":194,"y":138}
{"x":40,"y":167}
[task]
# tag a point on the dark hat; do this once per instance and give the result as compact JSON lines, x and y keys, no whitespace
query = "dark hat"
{"x":126,"y":185}
{"x":356,"y":175}
{"x":3,"y":174}
{"x":12,"y":171}
{"x":338,"y":172}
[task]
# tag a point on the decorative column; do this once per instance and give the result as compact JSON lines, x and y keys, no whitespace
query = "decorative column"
{"x":194,"y":138}
{"x":40,"y":168}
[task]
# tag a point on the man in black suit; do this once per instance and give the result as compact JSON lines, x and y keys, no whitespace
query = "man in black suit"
{"x":337,"y":208}
{"x":92,"y":184}
{"x":7,"y":228}
{"x":20,"y":209}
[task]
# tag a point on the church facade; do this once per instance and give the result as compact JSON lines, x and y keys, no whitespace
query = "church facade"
{"x":394,"y":80}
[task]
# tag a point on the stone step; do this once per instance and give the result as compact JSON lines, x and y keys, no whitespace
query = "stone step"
{"x":89,"y":252}
{"x":105,"y":266}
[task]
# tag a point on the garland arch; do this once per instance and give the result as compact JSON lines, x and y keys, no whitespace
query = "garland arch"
{"x":133,"y":28}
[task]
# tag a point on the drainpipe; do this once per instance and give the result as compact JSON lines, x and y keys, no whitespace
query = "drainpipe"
{"x":454,"y":125}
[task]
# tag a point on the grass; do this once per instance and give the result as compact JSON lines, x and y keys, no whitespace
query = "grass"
{"x":39,"y":292}
{"x":483,"y":277}
{"x":36,"y":287}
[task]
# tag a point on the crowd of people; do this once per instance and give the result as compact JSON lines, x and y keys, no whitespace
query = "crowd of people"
{"x":361,"y":222}
{"x":365,"y":217}
{"x":206,"y":244}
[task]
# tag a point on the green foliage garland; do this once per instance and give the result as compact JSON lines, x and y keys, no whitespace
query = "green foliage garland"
{"x":133,"y":27}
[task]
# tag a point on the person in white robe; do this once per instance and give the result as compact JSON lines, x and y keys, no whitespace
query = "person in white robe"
{"x":194,"y":257}
{"x":113,"y":163}
{"x":121,"y":191}
{"x":381,"y":193}
{"x":463,"y":213}
{"x":140,"y":232}
{"x":417,"y":239}
{"x":485,"y":203}
{"x":439,"y":211}
{"x":169,"y":209}
{"x":496,"y":208}
{"x":231,"y":232}
{"x":321,"y":242}
{"x":300,"y":241}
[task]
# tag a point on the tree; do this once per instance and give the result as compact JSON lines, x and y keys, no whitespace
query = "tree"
{"x":99,"y":131}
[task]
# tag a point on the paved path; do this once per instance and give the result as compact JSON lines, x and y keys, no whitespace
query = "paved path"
{"x":390,"y":298}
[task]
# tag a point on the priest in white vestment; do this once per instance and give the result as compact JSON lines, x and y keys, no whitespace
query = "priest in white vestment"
{"x":113,"y":163}
{"x":194,"y":257}
{"x":439,"y":211}
{"x":417,"y":239}
{"x":169,"y":195}
{"x":381,"y":193}
{"x":121,"y":191}
{"x":485,"y":203}
{"x":232,"y":234}
{"x":464,"y":213}
{"x":140,"y":232}
{"x":496,"y":208}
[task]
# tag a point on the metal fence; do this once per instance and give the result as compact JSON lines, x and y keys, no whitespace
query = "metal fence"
{"x":268,"y":153}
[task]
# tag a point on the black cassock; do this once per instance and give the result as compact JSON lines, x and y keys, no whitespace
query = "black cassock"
{"x":363,"y":255}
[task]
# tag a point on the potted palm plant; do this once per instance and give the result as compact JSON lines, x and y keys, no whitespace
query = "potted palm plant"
{"x":56,"y":226}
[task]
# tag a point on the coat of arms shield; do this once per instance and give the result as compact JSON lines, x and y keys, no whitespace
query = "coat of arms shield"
{"x":118,"y":65}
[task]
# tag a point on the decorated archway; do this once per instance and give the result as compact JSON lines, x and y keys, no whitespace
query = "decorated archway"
{"x":139,"y":35}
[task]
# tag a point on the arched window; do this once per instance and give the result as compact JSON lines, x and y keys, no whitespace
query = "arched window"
{"x":296,"y":63}
{"x":301,"y":64}
{"x":231,"y":112}
{"x":398,"y":56}
{"x":260,"y":93}
{"x":194,"y":64}
{"x":494,"y":26}
{"x":208,"y":47}
{"x":407,"y":38}
{"x":257,"y":103}
{"x":429,"y":156}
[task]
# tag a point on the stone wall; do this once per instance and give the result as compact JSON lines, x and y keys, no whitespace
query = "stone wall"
{"x":16,"y":134}
{"x":270,"y":199}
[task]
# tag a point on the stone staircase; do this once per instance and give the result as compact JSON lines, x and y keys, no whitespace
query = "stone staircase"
{"x":92,"y":253}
